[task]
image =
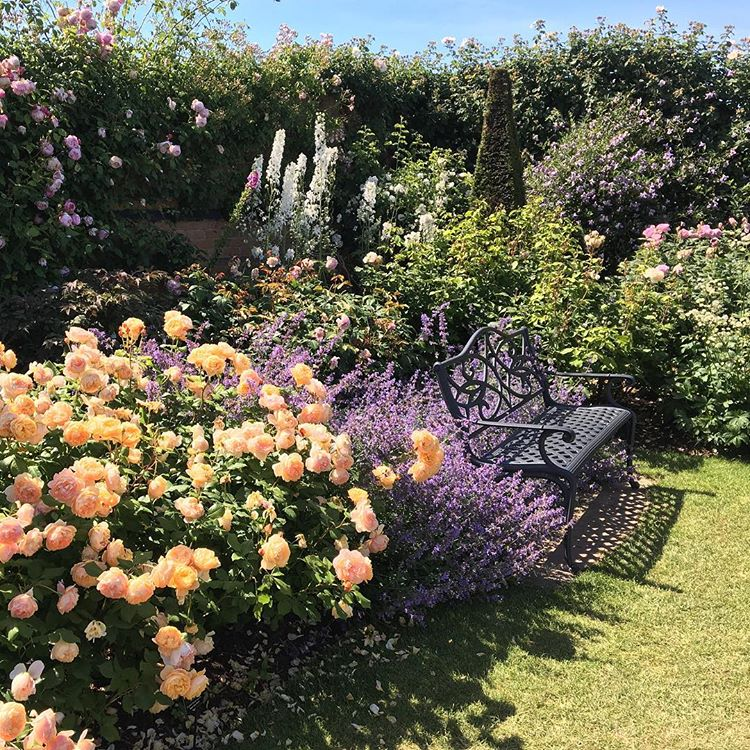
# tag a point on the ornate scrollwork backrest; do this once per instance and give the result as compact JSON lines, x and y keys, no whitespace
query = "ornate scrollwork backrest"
{"x":495,"y":374}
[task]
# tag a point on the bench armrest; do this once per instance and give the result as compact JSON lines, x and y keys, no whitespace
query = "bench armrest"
{"x":568,"y":435}
{"x":596,"y":376}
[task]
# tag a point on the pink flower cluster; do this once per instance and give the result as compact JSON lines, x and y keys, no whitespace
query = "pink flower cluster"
{"x":655,"y":233}
{"x":69,"y":217}
{"x":11,"y":78}
{"x":73,"y":144}
{"x":201,"y":113}
{"x":702,"y":231}
{"x":169,"y":148}
{"x":80,"y":19}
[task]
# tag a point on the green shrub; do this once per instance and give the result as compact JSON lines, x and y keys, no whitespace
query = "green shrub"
{"x":528,"y":264}
{"x":684,"y":307}
{"x":498,"y":178}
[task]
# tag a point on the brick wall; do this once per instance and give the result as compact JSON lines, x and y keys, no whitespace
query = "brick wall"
{"x":204,"y":234}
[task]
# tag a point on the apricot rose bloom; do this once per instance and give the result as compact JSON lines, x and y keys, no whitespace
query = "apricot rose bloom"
{"x":175,"y":682}
{"x":64,"y":652}
{"x":113,"y":584}
{"x":191,"y":508}
{"x":275,"y":552}
{"x":364,"y":519}
{"x":23,"y":684}
{"x":357,"y":495}
{"x":157,"y":487}
{"x":177,"y":325}
{"x":25,"y":489}
{"x":140,"y":589}
{"x":67,"y":598}
{"x":168,"y":638}
{"x":289,"y":467}
{"x":131,"y":329}
{"x":12,"y":721}
{"x":352,"y":567}
{"x":385,"y":476}
{"x":58,"y":535}
{"x":302,"y":374}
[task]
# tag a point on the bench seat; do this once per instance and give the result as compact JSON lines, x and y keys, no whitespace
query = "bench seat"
{"x":593,"y":427}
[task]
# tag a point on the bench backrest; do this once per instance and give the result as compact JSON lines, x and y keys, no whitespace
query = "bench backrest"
{"x":496,"y":373}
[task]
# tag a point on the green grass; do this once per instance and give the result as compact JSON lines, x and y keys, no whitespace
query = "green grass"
{"x":650,"y":650}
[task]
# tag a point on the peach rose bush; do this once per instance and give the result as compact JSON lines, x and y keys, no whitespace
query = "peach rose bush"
{"x":156,"y":492}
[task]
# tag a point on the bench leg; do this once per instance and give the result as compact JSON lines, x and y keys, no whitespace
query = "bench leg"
{"x":570,"y":500}
{"x":631,"y":449}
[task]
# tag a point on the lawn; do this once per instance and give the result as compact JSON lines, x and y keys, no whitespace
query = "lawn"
{"x":648,"y":650}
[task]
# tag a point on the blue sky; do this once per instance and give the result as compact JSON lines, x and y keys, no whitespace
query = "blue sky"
{"x":407,"y":25}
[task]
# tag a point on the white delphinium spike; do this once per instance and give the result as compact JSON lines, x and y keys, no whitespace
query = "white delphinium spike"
{"x":273,"y":173}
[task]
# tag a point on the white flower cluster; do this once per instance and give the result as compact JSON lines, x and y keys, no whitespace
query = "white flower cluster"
{"x":280,"y":217}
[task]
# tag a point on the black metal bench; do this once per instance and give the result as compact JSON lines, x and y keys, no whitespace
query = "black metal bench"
{"x":497,"y":378}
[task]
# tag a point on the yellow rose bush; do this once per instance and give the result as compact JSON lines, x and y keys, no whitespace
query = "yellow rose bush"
{"x":157,"y":492}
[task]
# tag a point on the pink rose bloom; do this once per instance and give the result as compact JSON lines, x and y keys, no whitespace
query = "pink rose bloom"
{"x":65,"y":486}
{"x":352,"y":568}
{"x":113,"y":584}
{"x":3,"y":121}
{"x":378,"y":543}
{"x":318,"y":461}
{"x":7,"y":551}
{"x":115,"y":162}
{"x":22,"y":87}
{"x":289,"y":467}
{"x":31,"y":543}
{"x":23,"y":606}
{"x":253,"y":179}
{"x":24,"y":680}
{"x":71,"y":141}
{"x":68,"y":598}
{"x":175,"y":150}
{"x":339,"y":477}
{"x":319,"y":333}
{"x":364,"y":519}
{"x":11,"y":531}
{"x":43,"y":729}
{"x":74,"y":154}
{"x":343,"y":322}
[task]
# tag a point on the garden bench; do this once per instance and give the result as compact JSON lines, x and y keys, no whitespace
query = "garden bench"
{"x":492,"y":386}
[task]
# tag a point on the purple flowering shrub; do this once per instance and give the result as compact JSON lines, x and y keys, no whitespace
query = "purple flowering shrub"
{"x":631,"y":164}
{"x":464,"y":532}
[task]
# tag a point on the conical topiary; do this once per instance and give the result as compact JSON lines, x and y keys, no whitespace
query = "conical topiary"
{"x":498,"y":178}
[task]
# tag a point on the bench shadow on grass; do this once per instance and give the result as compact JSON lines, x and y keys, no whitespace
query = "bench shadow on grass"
{"x":440,"y":694}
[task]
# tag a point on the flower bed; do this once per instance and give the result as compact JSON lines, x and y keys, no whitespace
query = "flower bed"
{"x":145,"y":512}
